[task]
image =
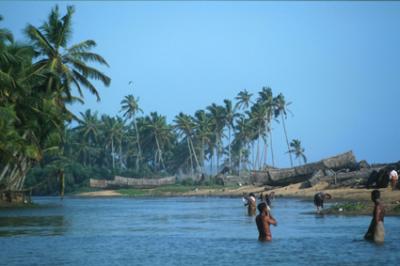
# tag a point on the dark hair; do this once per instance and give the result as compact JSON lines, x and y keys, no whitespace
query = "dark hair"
{"x":375,"y":194}
{"x":252,"y":194}
{"x":261,"y":206}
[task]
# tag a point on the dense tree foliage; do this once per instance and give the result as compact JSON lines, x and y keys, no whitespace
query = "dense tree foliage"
{"x":36,"y":83}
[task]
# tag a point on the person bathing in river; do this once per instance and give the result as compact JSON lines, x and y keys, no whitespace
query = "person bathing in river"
{"x":263,"y":220}
{"x":251,"y":204}
{"x":376,"y":231}
{"x":319,"y":200}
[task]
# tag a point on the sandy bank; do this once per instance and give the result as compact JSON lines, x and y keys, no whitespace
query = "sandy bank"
{"x":102,"y":193}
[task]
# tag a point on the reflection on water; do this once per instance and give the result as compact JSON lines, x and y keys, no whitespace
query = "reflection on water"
{"x":32,"y":225}
{"x":182,"y":231}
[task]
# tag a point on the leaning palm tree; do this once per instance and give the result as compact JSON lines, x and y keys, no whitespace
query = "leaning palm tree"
{"x":65,"y":66}
{"x":297,"y":150}
{"x":185,"y":127}
{"x":130,"y":107}
{"x":281,"y":110}
{"x":160,"y":132}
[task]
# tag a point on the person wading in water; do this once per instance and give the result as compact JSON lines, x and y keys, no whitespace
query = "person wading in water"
{"x":263,"y":220}
{"x":251,"y":204}
{"x":376,"y":231}
{"x":319,"y":200}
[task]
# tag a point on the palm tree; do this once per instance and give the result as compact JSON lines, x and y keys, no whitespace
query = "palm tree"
{"x":65,"y":65}
{"x":229,"y":116}
{"x":112,"y":129}
{"x":266,"y":99}
{"x":243,"y":100}
{"x":203,"y":133}
{"x":243,"y":134}
{"x":130,"y":105}
{"x":218,"y":121}
{"x":257,"y":116}
{"x":298,"y":151}
{"x":186,"y":126}
{"x":160,"y":131}
{"x":281,"y":110}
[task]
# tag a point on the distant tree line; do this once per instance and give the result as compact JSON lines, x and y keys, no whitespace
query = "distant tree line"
{"x":38,"y":142}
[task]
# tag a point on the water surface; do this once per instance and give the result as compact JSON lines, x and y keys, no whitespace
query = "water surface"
{"x":184,"y":231}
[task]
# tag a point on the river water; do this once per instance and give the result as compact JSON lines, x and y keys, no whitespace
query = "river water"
{"x":185,"y":231}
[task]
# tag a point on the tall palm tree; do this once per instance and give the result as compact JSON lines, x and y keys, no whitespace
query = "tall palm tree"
{"x":217,"y":114}
{"x":203,"y":133}
{"x":298,"y":151}
{"x":185,"y":127}
{"x":243,"y":100}
{"x":281,"y":110}
{"x":243,"y":135}
{"x":257,"y":116}
{"x":65,"y":66}
{"x":160,"y":131}
{"x":113,"y":130}
{"x":88,"y":126}
{"x":130,"y":107}
{"x":266,"y":99}
{"x":229,"y":117}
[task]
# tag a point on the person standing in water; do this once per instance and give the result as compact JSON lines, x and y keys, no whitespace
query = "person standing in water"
{"x":251,"y":204}
{"x":393,"y":178}
{"x":319,"y":200}
{"x":376,"y":231}
{"x":263,"y":220}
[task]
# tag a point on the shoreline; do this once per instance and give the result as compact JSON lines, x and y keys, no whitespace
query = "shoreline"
{"x":345,"y":200}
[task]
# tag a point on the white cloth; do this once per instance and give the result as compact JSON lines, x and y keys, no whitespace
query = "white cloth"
{"x":393,"y":175}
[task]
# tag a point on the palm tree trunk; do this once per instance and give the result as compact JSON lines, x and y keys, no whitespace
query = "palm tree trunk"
{"x":272,"y":150}
{"x":159,"y":152}
{"x":194,"y":155}
{"x":258,"y":150}
{"x":190,"y":156}
{"x":5,"y":170}
{"x":229,"y":148}
{"x":139,"y":157}
{"x":240,"y":160}
{"x":112,"y":152}
{"x":287,"y":141}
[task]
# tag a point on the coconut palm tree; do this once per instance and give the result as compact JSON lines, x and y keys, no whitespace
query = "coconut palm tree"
{"x":130,"y":107}
{"x":65,"y":66}
{"x":281,"y":111}
{"x":257,"y":116}
{"x":266,"y":99}
{"x":229,"y":117}
{"x":217,"y":114}
{"x":113,"y":131}
{"x":160,"y":132}
{"x":243,"y":100}
{"x":243,"y":135}
{"x":185,"y":127}
{"x":203,"y":133}
{"x":298,"y":151}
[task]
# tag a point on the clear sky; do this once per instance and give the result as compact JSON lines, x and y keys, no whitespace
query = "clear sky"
{"x":338,"y":62}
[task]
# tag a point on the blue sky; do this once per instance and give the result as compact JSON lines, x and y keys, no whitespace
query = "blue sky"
{"x":338,"y":62}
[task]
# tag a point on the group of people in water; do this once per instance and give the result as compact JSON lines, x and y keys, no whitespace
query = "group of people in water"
{"x":264,"y":219}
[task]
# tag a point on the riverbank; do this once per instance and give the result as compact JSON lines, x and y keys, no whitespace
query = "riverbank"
{"x":346,"y":201}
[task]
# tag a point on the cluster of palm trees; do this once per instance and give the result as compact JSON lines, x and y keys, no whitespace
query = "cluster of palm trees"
{"x":36,"y":83}
{"x":219,"y":135}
